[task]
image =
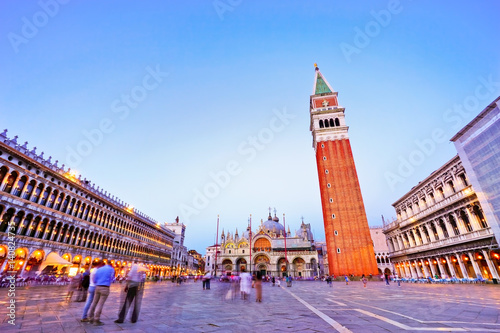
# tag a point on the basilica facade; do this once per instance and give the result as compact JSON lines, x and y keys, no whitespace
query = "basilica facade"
{"x":270,"y":250}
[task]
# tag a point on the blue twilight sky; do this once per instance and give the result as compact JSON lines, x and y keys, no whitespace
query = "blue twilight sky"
{"x":175,"y":93}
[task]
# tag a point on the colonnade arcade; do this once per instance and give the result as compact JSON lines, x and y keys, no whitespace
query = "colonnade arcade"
{"x":28,"y":261}
{"x":481,"y":263}
{"x":460,"y":221}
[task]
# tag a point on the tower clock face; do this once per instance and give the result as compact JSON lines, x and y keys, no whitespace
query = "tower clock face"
{"x":325,"y":103}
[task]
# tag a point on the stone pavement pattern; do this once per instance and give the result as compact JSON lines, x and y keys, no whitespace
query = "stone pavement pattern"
{"x":306,"y":307}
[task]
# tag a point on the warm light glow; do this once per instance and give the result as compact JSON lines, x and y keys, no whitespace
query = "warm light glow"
{"x":21,"y":262}
{"x":444,"y":261}
{"x":496,"y":255}
{"x":479,"y":257}
{"x":466,"y":258}
{"x":454,"y":260}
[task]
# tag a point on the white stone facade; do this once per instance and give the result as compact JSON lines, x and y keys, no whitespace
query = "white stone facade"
{"x":441,"y":230}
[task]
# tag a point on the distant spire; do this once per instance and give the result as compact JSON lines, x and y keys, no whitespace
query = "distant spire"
{"x":321,"y":86}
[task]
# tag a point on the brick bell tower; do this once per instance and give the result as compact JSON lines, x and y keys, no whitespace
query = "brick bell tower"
{"x":348,"y":240}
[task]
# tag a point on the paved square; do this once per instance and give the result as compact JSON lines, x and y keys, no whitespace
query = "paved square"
{"x":306,"y":307}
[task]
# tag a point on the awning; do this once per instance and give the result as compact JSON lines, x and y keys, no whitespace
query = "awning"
{"x":53,"y":259}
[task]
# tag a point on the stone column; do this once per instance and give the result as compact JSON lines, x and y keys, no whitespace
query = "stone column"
{"x":400,"y":242}
{"x":431,"y":233}
{"x":450,"y":266}
{"x":415,"y":236}
{"x":491,"y":265}
{"x":425,"y":268}
{"x":441,"y":268}
{"x":460,"y":223}
{"x":433,"y":269}
{"x":477,"y":270}
{"x":422,"y":233}
{"x":472,"y":217}
{"x":462,"y":266}
{"x":439,"y":229}
{"x":449,"y":228}
{"x":418,"y":269}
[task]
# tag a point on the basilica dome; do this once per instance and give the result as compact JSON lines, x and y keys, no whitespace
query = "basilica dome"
{"x":273,"y":225}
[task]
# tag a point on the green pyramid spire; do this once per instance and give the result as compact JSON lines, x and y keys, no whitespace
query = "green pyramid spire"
{"x":321,"y":86}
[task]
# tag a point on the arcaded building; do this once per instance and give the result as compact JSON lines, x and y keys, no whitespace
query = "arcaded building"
{"x":267,"y":249}
{"x":348,"y":241}
{"x":46,"y":209}
{"x":441,"y":229}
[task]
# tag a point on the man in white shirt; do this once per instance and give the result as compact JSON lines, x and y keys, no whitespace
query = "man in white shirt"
{"x":133,"y":281}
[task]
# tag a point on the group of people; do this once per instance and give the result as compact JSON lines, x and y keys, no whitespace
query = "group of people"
{"x":95,"y":288}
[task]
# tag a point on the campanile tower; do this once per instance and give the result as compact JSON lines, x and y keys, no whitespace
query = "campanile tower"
{"x":350,"y":247}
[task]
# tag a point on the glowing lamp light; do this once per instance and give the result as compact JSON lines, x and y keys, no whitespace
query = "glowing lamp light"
{"x":479,"y":257}
{"x":496,"y":255}
{"x":444,"y":261}
{"x":435,"y":262}
{"x":21,"y":262}
{"x":466,"y":258}
{"x":420,"y":264}
{"x":454,"y":260}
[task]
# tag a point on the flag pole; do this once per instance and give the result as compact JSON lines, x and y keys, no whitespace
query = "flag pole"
{"x":250,"y":235}
{"x":216,"y":243}
{"x":286,"y":256}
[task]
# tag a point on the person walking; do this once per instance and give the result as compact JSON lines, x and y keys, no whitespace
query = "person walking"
{"x":346,"y":280}
{"x":273,"y":280}
{"x":132,"y":289}
{"x":258,"y":287}
{"x":74,"y":285}
{"x":90,"y":297}
{"x":386,"y":279}
{"x":245,"y":284}
{"x":364,"y":280}
{"x":103,"y":278}
{"x":85,"y":286}
{"x":206,"y":281}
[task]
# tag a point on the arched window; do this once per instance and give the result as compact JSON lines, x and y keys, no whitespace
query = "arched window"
{"x":480,"y":217}
{"x":45,"y":196}
{"x":326,"y":123}
{"x":443,"y":227}
{"x":454,"y":225}
{"x":52,"y":198}
{"x":6,"y":219}
{"x":321,"y":125}
{"x":29,"y":189}
{"x":38,"y":192}
{"x":434,"y":231}
{"x":465,"y":218}
{"x":3,"y":172}
{"x":337,"y":122}
{"x":20,"y":185}
{"x":10,"y":181}
{"x":332,"y":123}
{"x":463,"y":179}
